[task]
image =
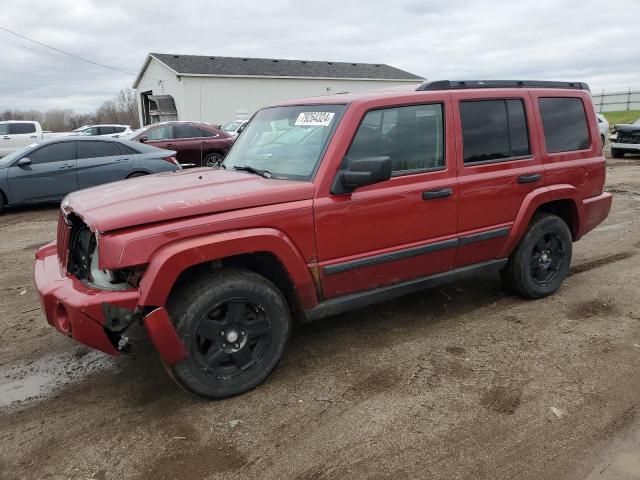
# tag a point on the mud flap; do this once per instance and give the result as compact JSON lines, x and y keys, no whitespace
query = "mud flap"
{"x":164,"y":336}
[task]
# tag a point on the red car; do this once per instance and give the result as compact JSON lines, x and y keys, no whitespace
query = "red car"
{"x":325,"y":205}
{"x":197,"y":144}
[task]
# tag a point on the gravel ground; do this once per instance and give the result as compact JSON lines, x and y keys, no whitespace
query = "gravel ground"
{"x":464,"y":381}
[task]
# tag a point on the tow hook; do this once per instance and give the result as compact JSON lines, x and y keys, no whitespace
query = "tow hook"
{"x":116,"y":321}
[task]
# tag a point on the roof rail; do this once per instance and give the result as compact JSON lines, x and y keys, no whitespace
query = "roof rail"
{"x":464,"y":84}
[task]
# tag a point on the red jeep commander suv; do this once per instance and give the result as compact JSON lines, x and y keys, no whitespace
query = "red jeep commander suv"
{"x":324,"y":205}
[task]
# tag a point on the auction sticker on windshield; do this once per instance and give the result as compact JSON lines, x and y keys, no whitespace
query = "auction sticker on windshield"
{"x":314,"y":119}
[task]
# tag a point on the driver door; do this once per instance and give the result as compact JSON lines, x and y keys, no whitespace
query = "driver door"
{"x":50,"y":175}
{"x":400,"y":229}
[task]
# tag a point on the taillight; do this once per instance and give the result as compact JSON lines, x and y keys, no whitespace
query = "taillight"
{"x":171,"y":160}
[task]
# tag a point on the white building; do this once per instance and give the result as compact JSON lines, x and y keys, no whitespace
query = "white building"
{"x":221,"y":89}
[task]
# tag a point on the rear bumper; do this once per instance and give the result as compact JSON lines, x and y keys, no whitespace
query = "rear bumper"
{"x":626,"y":146}
{"x":594,"y":211}
{"x":73,"y":308}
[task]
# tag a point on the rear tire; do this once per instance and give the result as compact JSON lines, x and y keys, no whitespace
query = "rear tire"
{"x":3,"y":201}
{"x":235,"y":325}
{"x":616,"y":153}
{"x":213,"y":160}
{"x":540,"y":263}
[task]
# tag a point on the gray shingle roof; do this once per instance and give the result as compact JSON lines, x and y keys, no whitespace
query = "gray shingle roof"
{"x":268,"y":67}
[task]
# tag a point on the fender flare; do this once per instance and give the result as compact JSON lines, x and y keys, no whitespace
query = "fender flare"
{"x":530,"y":204}
{"x":170,"y":261}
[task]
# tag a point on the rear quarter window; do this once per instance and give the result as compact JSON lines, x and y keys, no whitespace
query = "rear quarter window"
{"x":564,"y":122}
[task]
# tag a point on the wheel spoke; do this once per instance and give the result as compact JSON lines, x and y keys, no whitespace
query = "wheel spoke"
{"x":214,"y":356}
{"x":243,"y":358}
{"x":535,"y":262}
{"x":235,"y":312}
{"x":554,"y":244}
{"x":208,"y":329}
{"x":257,"y":329}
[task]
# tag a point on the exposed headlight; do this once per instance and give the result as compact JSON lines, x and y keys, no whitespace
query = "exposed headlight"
{"x":123,"y":279}
{"x":613,"y":136}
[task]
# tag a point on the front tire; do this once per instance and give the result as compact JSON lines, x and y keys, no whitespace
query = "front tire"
{"x":540,"y":262}
{"x":235,"y":325}
{"x":616,"y":153}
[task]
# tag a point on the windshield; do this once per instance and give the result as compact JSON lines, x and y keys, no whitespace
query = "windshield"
{"x":15,"y":155}
{"x":287,"y":142}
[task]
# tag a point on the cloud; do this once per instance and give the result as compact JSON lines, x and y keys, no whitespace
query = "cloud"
{"x":466,"y":39}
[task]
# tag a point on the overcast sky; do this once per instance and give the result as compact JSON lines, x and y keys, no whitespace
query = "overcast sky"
{"x":596,"y":41}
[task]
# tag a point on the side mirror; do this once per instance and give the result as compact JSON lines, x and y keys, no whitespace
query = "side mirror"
{"x":143,"y":139}
{"x":362,"y":172}
{"x":23,"y":162}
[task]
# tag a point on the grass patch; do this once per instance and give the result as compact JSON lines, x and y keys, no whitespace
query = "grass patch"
{"x":625,"y":116}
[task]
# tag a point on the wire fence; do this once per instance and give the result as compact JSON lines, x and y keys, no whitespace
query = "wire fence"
{"x":616,"y":101}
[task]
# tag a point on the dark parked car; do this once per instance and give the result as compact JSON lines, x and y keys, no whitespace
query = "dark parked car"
{"x":625,"y":139}
{"x":197,"y":144}
{"x":47,"y":171}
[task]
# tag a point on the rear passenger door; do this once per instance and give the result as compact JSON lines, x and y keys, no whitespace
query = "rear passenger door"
{"x":400,"y":229}
{"x":498,"y":165}
{"x":101,"y":162}
{"x":188,"y":143}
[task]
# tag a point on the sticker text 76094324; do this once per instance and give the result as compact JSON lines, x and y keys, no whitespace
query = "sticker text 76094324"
{"x":314,"y":119}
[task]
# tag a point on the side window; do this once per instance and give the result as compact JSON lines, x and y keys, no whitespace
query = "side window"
{"x":56,"y":152}
{"x":565,"y":124}
{"x":413,"y":137}
{"x":98,"y":149}
{"x":185,"y":131}
{"x":3,"y":129}
{"x":21,"y":128}
{"x":161,"y":133}
{"x":118,"y":129}
{"x":106,"y":130}
{"x":493,"y":130}
{"x":207,"y":133}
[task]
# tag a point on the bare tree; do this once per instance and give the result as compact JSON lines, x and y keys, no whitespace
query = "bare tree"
{"x":122,"y":109}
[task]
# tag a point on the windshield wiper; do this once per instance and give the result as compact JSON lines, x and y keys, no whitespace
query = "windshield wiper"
{"x":257,"y":171}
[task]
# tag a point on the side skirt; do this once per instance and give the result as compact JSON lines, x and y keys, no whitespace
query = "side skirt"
{"x":357,"y":300}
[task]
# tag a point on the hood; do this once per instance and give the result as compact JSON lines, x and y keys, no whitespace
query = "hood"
{"x":183,"y":193}
{"x":627,"y":128}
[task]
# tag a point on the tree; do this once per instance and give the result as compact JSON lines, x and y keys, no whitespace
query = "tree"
{"x":122,"y":109}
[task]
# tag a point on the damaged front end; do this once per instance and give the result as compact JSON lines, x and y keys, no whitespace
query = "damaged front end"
{"x":97,"y":306}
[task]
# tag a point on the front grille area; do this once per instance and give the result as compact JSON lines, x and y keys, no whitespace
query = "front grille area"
{"x":62,"y":242}
{"x":628,"y":138}
{"x":82,"y":244}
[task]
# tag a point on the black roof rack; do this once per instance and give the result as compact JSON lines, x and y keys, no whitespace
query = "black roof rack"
{"x":463,"y":84}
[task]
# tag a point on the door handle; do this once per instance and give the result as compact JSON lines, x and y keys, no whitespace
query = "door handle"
{"x":65,"y":166}
{"x":529,"y":178}
{"x":439,"y":193}
{"x":6,"y":137}
{"x":169,"y":144}
{"x":33,"y":136}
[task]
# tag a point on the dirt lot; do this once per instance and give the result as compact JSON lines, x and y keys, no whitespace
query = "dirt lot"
{"x":459,"y":382}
